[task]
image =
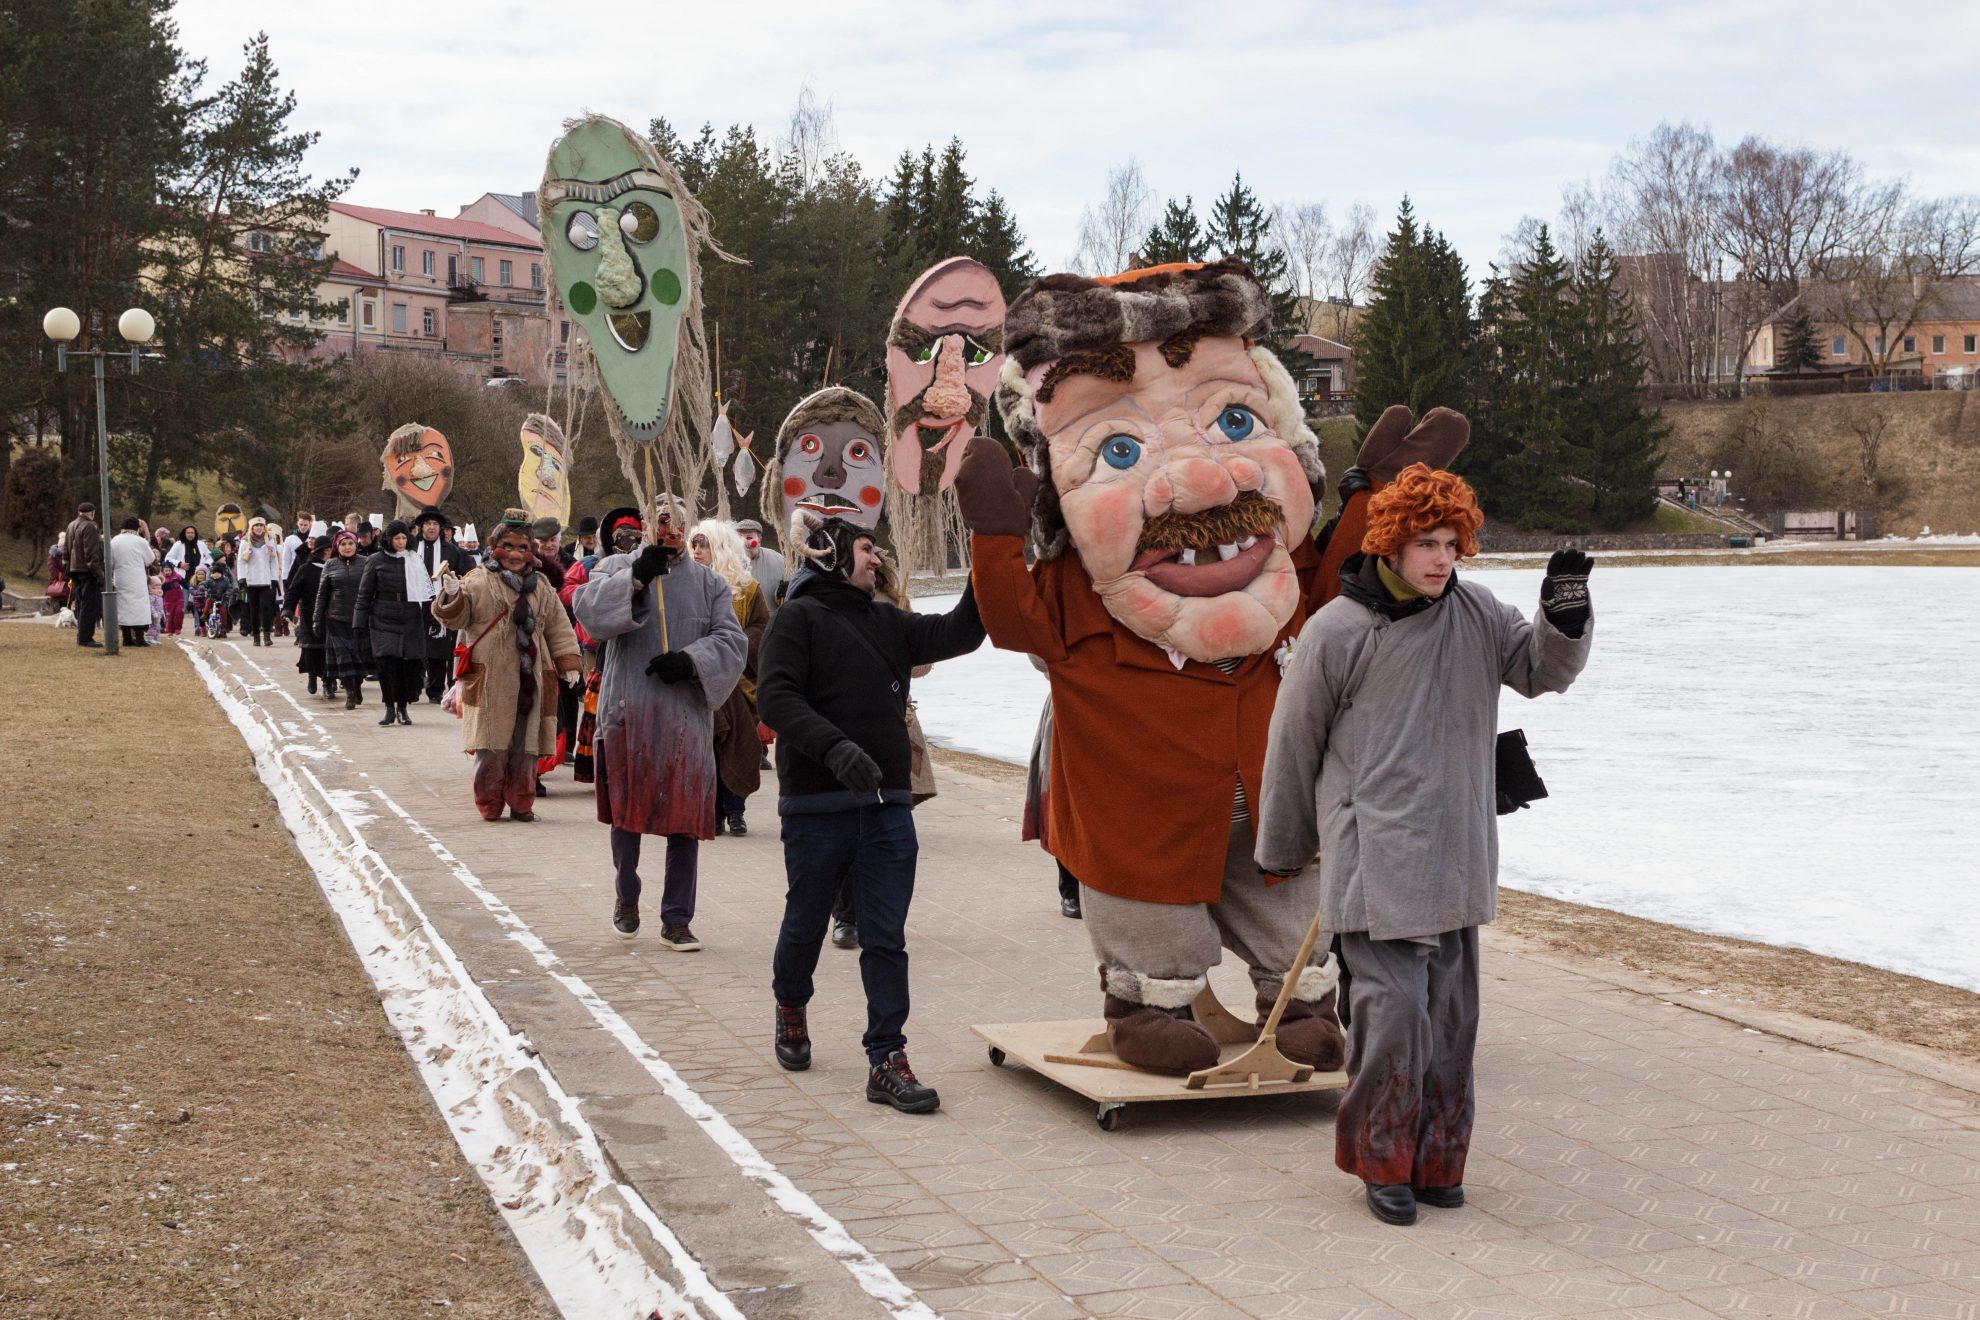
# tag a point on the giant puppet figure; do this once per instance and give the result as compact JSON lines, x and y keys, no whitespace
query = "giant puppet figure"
{"x":623,"y":236}
{"x":544,"y":479}
{"x":944,"y":350}
{"x":419,"y":469}
{"x":1169,"y":500}
{"x":828,"y":464}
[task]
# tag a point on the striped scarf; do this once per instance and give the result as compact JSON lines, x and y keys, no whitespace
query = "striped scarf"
{"x":524,"y":618}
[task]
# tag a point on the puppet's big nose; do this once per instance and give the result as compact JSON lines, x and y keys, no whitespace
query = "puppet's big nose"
{"x":1197,"y":483}
{"x":619,"y":281}
{"x":948,"y":397}
{"x":421,"y":468}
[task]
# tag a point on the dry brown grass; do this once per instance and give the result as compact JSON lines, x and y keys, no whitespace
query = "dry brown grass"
{"x":203,"y":1110}
{"x":1931,"y":445}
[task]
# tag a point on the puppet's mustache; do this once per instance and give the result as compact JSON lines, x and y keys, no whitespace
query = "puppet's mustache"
{"x":1250,"y":514}
{"x":910,"y":413}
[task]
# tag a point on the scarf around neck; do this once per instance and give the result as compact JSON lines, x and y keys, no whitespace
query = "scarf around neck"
{"x":419,"y":584}
{"x":523,"y":616}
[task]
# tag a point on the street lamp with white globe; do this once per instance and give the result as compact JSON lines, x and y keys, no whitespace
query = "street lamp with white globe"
{"x":137,"y":327}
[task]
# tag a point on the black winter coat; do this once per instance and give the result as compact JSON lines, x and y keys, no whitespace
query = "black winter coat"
{"x":300,"y":594}
{"x":336,"y":593}
{"x":397,"y":627}
{"x":819,"y":681}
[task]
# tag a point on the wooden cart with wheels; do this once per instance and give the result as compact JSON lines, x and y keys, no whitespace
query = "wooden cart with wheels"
{"x":1077,"y":1055}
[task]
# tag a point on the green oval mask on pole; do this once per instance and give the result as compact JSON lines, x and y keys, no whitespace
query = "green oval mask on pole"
{"x":619,"y":259}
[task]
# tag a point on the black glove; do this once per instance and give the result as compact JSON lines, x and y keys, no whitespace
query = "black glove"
{"x":650,"y":563}
{"x":1354,"y":480}
{"x":854,"y":768}
{"x":1564,"y":591}
{"x":671,"y":667}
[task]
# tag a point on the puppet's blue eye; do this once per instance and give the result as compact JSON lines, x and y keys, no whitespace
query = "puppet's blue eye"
{"x":1121,"y":451}
{"x":1236,"y":423}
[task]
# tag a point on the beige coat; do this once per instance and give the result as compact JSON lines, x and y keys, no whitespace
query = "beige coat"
{"x":483,"y":600}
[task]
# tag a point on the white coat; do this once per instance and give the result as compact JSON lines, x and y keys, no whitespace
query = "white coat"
{"x":131,"y":558}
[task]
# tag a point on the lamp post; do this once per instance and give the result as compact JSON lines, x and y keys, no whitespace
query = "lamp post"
{"x":137,"y":327}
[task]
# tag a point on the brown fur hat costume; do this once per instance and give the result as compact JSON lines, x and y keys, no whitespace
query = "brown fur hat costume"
{"x":834,"y":403}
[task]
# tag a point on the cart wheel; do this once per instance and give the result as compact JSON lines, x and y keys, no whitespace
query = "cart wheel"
{"x":1109,"y":1117}
{"x":996,"y":1057}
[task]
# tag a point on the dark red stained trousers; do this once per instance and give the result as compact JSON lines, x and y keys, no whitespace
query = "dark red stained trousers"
{"x":1412,"y":1029}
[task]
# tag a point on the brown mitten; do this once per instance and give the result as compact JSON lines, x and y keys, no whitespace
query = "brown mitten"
{"x":1391,"y":445}
{"x":1309,"y":1033}
{"x":995,"y":498}
{"x":1164,"y":1040}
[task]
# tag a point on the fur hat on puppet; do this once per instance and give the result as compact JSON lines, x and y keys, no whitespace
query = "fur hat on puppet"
{"x":825,"y":544}
{"x":1063,"y":320}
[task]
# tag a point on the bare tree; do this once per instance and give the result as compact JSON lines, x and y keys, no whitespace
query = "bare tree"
{"x":1579,"y":221}
{"x":1516,"y":248}
{"x":1303,"y":234}
{"x":1660,"y":201}
{"x":1350,"y":261}
{"x":1896,"y":275}
{"x":810,"y":138}
{"x":1785,"y":215}
{"x":1108,"y":234}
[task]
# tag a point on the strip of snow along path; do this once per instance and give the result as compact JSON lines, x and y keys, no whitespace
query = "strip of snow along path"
{"x":520,"y":1130}
{"x":872,"y":1275}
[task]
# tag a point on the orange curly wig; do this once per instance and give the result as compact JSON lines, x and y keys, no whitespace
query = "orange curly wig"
{"x":1416,"y":501}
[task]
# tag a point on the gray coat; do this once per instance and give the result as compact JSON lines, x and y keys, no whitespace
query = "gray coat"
{"x":1380,"y":757}
{"x":655,"y":748}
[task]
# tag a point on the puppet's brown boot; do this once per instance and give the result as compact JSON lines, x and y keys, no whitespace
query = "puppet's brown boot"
{"x":1164,"y":1040}
{"x":1309,"y":1032}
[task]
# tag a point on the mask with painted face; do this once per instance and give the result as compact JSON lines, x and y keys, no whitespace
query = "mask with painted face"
{"x":944,"y":351}
{"x":621,"y":261}
{"x":543,"y":481}
{"x":419,"y":467}
{"x":828,"y":460}
{"x":229,"y":521}
{"x":1174,"y":458}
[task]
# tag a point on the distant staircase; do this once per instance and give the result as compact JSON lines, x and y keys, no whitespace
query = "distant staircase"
{"x":1735,"y":521}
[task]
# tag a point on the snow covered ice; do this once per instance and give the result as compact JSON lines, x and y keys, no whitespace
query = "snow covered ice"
{"x":1783,"y":754}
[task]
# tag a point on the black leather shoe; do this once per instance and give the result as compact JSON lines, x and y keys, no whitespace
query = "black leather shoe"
{"x":1443,"y":1198}
{"x":892,"y":1082}
{"x":1392,"y":1205}
{"x":403,"y":717}
{"x":793,"y":1039}
{"x":845,"y":935}
{"x":737,"y":826}
{"x":1069,"y":907}
{"x":391,"y":715}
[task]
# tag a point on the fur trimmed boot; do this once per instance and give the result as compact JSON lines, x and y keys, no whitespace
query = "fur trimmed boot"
{"x":1164,"y":1040}
{"x":1309,"y":1030}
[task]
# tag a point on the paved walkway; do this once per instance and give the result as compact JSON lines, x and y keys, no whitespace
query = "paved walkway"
{"x":1632,"y":1157}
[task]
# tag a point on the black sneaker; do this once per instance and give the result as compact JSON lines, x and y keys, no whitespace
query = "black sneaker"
{"x":845,"y":935}
{"x":625,"y":919}
{"x":679,"y":938}
{"x":892,"y":1082}
{"x":736,"y":826}
{"x":793,"y":1039}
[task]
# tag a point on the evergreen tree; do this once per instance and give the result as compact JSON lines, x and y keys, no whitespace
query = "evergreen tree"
{"x":1176,"y":237}
{"x":901,"y":209}
{"x":1797,"y":347}
{"x":1623,"y":438}
{"x":995,"y":241}
{"x":1416,"y":335}
{"x":1240,"y":227}
{"x":1534,"y":452}
{"x":946,"y":210}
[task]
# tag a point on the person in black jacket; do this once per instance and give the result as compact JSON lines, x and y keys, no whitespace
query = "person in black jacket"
{"x":344,"y":661}
{"x":433,"y":550}
{"x":299,"y":600}
{"x":832,"y":680}
{"x":393,"y":600}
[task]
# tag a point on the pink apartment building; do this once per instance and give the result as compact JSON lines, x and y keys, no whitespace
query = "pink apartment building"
{"x":413,"y":281}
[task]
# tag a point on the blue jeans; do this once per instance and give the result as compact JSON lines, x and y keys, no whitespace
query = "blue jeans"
{"x":875,"y":847}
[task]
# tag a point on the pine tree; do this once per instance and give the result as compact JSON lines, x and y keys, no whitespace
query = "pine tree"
{"x":994,"y":240}
{"x":1176,"y":237}
{"x":946,"y":211}
{"x":1622,"y":436}
{"x":1528,"y":411}
{"x":1416,"y":335}
{"x":1798,"y":347}
{"x":1240,"y":227}
{"x":901,"y":209}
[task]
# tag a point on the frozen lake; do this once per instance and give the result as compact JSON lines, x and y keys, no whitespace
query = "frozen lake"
{"x":1789,"y":755}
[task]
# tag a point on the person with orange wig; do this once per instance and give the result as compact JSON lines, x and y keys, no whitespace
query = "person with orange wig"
{"x":1379,"y":770}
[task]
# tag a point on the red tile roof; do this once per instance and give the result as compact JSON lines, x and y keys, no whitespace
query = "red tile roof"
{"x":441,"y":226}
{"x":344,"y":270}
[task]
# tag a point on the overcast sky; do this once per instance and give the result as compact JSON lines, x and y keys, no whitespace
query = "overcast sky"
{"x":1480,"y":112}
